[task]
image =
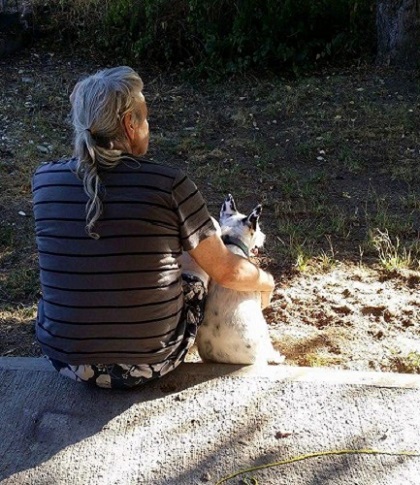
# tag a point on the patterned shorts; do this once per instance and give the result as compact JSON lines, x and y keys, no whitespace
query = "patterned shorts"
{"x":123,"y":376}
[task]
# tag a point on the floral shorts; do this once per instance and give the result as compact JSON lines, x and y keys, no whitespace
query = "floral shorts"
{"x":123,"y":376}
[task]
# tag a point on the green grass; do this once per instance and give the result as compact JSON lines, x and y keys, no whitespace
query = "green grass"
{"x":332,"y":158}
{"x":21,"y":284}
{"x":384,"y":218}
{"x":411,"y":201}
{"x":7,"y":234}
{"x":350,"y":160}
{"x":319,"y":360}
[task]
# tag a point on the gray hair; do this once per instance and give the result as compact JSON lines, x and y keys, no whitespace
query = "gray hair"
{"x":99,"y":104}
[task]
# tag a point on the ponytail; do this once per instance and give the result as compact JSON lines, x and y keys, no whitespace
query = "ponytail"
{"x":99,"y":104}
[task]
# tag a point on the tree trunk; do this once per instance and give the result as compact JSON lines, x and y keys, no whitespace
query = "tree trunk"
{"x":15,"y":26}
{"x":398,"y":29}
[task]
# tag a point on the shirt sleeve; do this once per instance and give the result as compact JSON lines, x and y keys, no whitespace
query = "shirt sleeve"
{"x":194,"y":219}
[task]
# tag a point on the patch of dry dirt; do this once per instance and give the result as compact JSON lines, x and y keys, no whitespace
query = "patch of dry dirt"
{"x":349,"y":318}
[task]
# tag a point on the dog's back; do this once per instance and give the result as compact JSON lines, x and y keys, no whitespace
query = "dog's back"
{"x":234,"y":329}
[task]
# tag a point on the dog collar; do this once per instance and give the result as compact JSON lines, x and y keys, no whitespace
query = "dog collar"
{"x":236,"y":242}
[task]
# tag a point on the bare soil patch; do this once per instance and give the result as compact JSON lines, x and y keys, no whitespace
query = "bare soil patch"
{"x":334,"y":158}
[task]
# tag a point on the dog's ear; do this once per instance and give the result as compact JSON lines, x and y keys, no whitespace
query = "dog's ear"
{"x":252,"y":219}
{"x":228,"y":207}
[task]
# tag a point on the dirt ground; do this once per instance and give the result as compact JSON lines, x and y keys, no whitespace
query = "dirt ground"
{"x":348,"y":318}
{"x":334,"y":158}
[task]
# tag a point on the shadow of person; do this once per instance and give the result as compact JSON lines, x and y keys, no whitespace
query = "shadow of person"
{"x":44,"y":413}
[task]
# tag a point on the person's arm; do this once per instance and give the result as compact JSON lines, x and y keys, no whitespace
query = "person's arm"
{"x":230,"y":270}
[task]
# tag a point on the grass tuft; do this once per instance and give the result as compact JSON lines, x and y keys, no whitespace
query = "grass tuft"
{"x":392,"y":255}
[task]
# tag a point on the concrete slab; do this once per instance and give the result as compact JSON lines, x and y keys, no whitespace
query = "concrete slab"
{"x":205,"y":422}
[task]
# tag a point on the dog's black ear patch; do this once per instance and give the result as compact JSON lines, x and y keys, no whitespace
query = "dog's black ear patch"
{"x":252,"y":219}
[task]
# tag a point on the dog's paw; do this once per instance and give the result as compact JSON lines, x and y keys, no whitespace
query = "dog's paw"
{"x":276,"y":358}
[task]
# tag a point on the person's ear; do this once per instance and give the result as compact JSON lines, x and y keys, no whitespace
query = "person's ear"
{"x":128,"y":124}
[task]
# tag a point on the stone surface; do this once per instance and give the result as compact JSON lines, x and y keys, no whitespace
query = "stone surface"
{"x":204,"y":422}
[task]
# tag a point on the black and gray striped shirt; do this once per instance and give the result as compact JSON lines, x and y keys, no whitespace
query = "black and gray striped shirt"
{"x":116,"y":299}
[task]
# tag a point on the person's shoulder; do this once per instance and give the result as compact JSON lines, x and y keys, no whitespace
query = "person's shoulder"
{"x":64,"y":165}
{"x":143,"y":165}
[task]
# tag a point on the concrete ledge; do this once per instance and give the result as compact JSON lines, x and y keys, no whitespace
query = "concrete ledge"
{"x":278,"y":373}
{"x":204,"y":422}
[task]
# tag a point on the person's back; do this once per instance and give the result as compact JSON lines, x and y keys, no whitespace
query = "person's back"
{"x":124,"y":286}
{"x":116,"y":309}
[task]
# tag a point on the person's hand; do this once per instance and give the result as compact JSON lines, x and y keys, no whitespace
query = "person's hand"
{"x":266,"y":298}
{"x":267,"y":295}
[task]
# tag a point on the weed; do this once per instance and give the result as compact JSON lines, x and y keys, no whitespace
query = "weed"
{"x":188,"y":145}
{"x":6,"y":235}
{"x":384,"y":219}
{"x":302,"y":260}
{"x":411,"y":201}
{"x":242,"y":117}
{"x":19,"y":313}
{"x":306,"y":148}
{"x":20,"y":284}
{"x":221,"y":175}
{"x":294,"y":251}
{"x":327,"y":259}
{"x":340,"y":224}
{"x":407,"y":170}
{"x":391,"y":255}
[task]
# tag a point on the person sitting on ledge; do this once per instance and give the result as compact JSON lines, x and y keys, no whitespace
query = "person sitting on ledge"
{"x":116,"y":310}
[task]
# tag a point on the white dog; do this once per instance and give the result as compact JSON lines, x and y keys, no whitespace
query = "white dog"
{"x":234,"y":329}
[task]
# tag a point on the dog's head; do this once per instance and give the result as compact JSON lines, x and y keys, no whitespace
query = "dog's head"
{"x":240,"y":226}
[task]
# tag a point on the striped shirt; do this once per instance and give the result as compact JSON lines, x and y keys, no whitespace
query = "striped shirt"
{"x":116,"y":299}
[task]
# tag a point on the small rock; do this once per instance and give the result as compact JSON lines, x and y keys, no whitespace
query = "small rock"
{"x":206,"y":477}
{"x":42,"y":149}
